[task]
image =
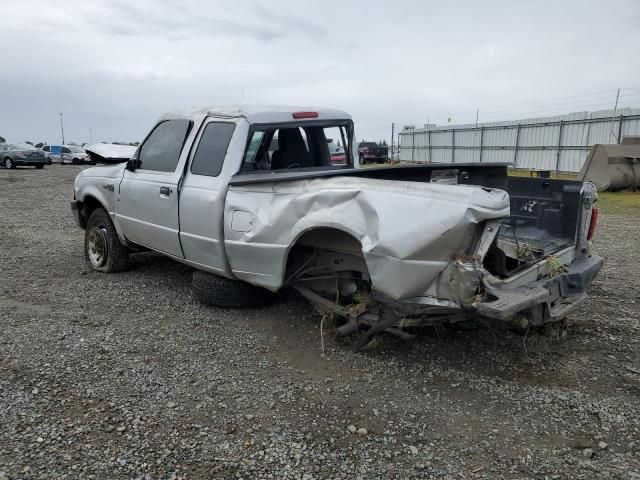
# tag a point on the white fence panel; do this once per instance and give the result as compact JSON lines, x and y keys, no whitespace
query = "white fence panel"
{"x":550,"y":143}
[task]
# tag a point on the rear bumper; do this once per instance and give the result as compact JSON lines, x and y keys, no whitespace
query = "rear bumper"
{"x":544,"y":301}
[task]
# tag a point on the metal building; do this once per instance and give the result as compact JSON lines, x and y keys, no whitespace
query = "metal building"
{"x":558,"y":143}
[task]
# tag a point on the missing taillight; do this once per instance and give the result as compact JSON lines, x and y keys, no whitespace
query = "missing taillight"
{"x":593,"y":224}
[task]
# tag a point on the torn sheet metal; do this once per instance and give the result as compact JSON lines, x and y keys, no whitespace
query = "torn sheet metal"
{"x":110,"y":152}
{"x":409,"y":231}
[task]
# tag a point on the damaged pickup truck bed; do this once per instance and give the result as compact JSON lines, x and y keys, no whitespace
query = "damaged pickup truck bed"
{"x":378,"y":249}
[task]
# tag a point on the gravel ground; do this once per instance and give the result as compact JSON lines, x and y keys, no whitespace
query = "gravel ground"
{"x":125,"y":376}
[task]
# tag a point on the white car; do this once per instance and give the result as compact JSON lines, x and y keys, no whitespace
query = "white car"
{"x":66,"y":154}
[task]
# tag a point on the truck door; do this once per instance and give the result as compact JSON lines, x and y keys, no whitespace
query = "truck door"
{"x":147,"y":209}
{"x":203,"y":192}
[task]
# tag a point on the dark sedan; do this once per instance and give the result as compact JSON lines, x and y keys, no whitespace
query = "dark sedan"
{"x":14,"y":155}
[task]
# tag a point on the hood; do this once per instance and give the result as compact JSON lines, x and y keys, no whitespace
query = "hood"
{"x":110,"y":153}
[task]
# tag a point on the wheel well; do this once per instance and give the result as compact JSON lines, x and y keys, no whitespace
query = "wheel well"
{"x":332,"y":247}
{"x":89,"y":204}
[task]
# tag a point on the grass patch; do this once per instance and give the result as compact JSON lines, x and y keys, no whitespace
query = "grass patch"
{"x":619,"y":202}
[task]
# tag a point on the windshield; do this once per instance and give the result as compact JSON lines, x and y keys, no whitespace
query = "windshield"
{"x":298,"y":146}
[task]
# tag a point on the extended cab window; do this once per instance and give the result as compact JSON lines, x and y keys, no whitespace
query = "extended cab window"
{"x":212,"y":149}
{"x":161,"y":150}
{"x":320,"y":145}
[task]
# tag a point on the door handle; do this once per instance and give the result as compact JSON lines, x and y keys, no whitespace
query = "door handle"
{"x":166,"y":191}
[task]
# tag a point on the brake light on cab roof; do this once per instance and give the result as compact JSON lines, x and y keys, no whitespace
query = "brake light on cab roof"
{"x":299,"y":115}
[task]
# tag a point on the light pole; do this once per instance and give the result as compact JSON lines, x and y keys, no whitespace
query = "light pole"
{"x":61,"y":128}
{"x":90,"y":136}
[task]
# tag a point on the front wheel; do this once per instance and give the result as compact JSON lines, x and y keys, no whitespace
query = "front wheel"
{"x":103,"y":251}
{"x":8,"y":164}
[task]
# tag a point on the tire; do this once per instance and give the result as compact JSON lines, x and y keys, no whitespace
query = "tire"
{"x":8,"y":164}
{"x":222,"y":292}
{"x":39,"y":167}
{"x":103,"y":251}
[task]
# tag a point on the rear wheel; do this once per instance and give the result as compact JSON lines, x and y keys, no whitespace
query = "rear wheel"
{"x":103,"y":251}
{"x":39,"y":167}
{"x":8,"y":163}
{"x":222,"y":292}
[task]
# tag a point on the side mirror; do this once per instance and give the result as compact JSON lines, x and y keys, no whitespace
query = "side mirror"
{"x":132,"y":164}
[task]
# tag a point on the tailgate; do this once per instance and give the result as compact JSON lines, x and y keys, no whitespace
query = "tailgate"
{"x":539,"y":265}
{"x":546,"y":217}
{"x":380,"y":151}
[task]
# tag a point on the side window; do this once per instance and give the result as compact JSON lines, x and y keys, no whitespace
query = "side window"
{"x":212,"y":149}
{"x":65,"y":150}
{"x":45,"y":148}
{"x":254,"y":144}
{"x":161,"y":151}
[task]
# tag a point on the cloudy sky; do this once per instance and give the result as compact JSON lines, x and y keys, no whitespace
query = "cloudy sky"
{"x":115,"y":65}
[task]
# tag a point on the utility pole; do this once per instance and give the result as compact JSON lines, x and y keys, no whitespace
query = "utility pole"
{"x":393,"y":127}
{"x":477,"y":113}
{"x":61,"y":128}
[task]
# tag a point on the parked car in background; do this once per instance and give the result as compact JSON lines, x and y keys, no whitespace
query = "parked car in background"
{"x":66,"y":154}
{"x":13,"y":155}
{"x":372,"y":152}
{"x":338,"y":155}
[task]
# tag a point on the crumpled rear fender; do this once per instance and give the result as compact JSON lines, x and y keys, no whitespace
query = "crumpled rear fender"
{"x":409,"y":231}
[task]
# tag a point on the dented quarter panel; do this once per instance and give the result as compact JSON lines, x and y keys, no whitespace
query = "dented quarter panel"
{"x":409,"y":231}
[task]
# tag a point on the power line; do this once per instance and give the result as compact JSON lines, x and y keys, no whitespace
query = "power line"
{"x":549,"y":110}
{"x":536,"y":102}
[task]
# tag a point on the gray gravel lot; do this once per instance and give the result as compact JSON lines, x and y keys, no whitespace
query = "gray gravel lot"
{"x":125,"y":376}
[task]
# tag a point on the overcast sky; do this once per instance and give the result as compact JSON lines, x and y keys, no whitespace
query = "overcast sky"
{"x":114,"y":66}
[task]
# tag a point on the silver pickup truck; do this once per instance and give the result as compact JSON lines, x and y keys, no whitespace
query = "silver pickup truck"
{"x":375,"y":248}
